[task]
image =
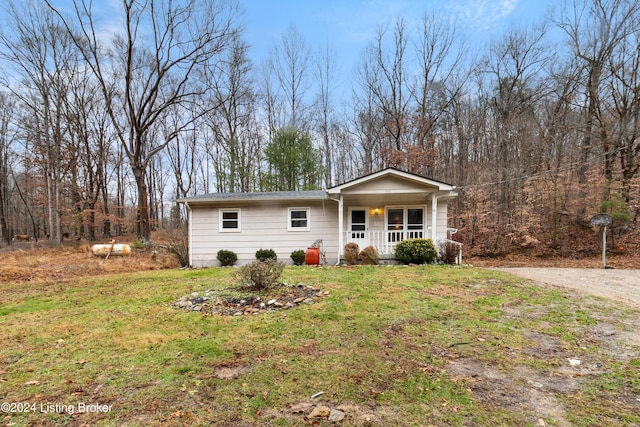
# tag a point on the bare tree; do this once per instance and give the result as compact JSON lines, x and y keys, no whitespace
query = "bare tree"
{"x":6,"y":139}
{"x":46,"y":58}
{"x":149,"y":70}
{"x":368,"y":123}
{"x":234,"y":125}
{"x":440,"y":81}
{"x":623,"y":92}
{"x":326,"y":76}
{"x":289,"y":62}
{"x":517,"y":66}
{"x":388,"y":81}
{"x":594,"y":29}
{"x":183,"y":157}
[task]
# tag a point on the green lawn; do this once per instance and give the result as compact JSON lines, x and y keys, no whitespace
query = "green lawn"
{"x":406,"y":346}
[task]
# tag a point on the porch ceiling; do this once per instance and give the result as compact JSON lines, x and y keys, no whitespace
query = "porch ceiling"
{"x":380,"y":200}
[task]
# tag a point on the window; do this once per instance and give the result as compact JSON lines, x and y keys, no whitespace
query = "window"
{"x":405,"y":223}
{"x":229,"y":220}
{"x":395,"y":219}
{"x":415,"y":219}
{"x":358,"y":223}
{"x":299,"y":219}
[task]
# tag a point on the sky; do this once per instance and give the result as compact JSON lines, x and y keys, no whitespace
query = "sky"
{"x":347,"y":26}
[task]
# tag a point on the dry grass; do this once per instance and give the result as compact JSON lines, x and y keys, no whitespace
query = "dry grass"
{"x":30,"y":261}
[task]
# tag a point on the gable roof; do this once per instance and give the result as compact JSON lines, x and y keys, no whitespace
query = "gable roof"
{"x":441,"y":186}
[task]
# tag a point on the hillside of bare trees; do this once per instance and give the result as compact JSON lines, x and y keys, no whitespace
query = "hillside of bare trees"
{"x":102,"y":127}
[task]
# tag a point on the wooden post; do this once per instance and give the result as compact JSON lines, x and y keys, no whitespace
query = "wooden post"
{"x":604,"y":247}
{"x":602,"y":220}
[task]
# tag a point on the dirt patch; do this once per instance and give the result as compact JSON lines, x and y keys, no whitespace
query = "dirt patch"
{"x":542,"y":393}
{"x":520,"y":391}
{"x":230,"y":372}
{"x":619,"y":285}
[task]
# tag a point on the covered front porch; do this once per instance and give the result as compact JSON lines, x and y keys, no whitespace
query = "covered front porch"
{"x":385,"y":226}
{"x":385,"y":208}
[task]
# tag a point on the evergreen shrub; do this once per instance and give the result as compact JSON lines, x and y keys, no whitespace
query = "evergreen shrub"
{"x":265,"y":254}
{"x":226,"y":257}
{"x":298,"y":256}
{"x":416,"y":251}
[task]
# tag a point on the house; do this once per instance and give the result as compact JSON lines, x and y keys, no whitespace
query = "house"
{"x":379,"y":209}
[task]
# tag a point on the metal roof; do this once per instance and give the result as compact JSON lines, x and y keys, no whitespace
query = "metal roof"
{"x":271,"y":195}
{"x":316,"y":194}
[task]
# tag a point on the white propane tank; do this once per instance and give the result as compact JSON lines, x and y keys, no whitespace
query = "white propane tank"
{"x":111,"y":250}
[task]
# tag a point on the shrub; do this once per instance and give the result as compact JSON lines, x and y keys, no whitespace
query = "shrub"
{"x":298,"y":256}
{"x":226,"y":257}
{"x":178,"y":246}
{"x":351,"y":253}
{"x":448,"y":252}
{"x":260,"y":275}
{"x":265,"y":254}
{"x":416,"y":251}
{"x":138,"y":243}
{"x":369,"y":255}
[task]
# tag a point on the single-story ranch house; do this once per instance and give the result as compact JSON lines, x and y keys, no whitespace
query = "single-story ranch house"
{"x":379,"y":209}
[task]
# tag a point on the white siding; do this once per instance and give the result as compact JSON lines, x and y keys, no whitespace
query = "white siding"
{"x":264,"y":226}
{"x":386,"y":185}
{"x":441,"y":220}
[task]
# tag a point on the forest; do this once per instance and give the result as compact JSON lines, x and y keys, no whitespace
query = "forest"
{"x":103,"y":127}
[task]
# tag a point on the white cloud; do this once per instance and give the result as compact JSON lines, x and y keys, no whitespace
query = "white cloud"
{"x":482,"y":14}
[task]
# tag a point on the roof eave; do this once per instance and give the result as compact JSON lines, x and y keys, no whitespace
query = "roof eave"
{"x":437,"y":185}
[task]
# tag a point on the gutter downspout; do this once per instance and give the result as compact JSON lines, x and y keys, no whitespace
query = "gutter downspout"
{"x":190,"y":233}
{"x":434,"y":216}
{"x":340,"y":226}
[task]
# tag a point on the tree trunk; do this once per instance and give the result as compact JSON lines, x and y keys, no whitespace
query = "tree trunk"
{"x":143,"y":226}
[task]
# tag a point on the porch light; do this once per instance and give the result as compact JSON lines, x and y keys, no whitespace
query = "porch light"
{"x":376,"y":211}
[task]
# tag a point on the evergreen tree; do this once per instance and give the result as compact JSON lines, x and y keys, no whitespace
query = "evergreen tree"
{"x":292,"y":162}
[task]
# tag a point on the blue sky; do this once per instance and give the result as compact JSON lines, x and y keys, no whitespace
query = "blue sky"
{"x":347,"y":26}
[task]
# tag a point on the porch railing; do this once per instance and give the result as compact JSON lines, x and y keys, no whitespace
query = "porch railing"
{"x":384,"y":241}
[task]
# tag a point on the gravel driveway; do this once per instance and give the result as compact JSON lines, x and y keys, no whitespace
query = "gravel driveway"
{"x":619,"y":285}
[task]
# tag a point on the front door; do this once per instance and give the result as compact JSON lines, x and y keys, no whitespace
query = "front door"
{"x":358,"y":227}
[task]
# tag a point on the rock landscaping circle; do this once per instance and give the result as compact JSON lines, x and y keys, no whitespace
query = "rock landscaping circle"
{"x":239,"y":301}
{"x":307,"y":412}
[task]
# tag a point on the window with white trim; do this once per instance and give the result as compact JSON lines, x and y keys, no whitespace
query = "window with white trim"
{"x":405,"y":223}
{"x":299,"y":219}
{"x":229,"y":220}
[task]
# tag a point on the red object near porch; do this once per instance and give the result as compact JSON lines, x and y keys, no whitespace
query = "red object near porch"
{"x":312,"y":256}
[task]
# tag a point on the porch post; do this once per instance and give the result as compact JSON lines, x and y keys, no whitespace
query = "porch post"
{"x":340,"y":228}
{"x":434,"y":215}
